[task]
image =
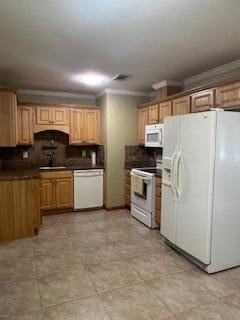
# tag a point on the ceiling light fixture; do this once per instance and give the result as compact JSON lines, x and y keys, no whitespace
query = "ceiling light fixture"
{"x":91,"y":79}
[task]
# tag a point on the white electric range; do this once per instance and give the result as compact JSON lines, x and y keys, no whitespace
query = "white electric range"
{"x":143,"y":205}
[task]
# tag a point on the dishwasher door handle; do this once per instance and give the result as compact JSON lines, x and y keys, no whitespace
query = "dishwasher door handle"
{"x":88,"y":175}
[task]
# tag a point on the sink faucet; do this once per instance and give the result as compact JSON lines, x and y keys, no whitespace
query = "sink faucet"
{"x":52,"y":159}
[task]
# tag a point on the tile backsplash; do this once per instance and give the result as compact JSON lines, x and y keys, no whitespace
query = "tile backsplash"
{"x":44,"y":143}
{"x":141,"y":156}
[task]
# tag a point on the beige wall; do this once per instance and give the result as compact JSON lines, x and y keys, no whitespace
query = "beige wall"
{"x":28,"y":98}
{"x":119,"y":121}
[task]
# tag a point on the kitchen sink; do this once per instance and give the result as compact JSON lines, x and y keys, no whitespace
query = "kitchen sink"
{"x":51,"y":168}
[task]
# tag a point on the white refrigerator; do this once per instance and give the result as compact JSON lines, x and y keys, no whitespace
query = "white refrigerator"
{"x":201,"y":187}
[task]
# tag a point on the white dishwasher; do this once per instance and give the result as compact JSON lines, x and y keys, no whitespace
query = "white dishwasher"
{"x":88,"y":189}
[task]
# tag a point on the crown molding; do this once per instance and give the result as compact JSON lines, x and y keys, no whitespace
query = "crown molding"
{"x":213,"y":72}
{"x":165,"y":83}
{"x":122,"y":92}
{"x":56,"y":94}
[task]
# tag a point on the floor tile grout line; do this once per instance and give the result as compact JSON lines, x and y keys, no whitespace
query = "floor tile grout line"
{"x":37,"y":280}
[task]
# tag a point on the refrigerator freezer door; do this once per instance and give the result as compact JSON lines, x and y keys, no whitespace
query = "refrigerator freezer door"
{"x":168,"y":211}
{"x":195,"y":174}
{"x":225,"y":251}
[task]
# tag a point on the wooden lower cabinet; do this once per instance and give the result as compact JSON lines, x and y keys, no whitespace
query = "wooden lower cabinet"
{"x":47,"y":188}
{"x":158,"y":199}
{"x":19,"y":208}
{"x":127,"y":188}
{"x":64,"y":193}
{"x":56,"y":190}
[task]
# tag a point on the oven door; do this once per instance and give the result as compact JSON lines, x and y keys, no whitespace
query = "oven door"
{"x":145,"y":201}
{"x":154,"y":137}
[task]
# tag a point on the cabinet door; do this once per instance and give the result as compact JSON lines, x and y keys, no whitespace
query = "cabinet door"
{"x":181,"y":106}
{"x":228,"y":96}
{"x":142,"y":122}
{"x":92,"y":126}
{"x":60,"y":116}
{"x":64,"y":193}
{"x":165,"y":110}
{"x":8,"y":119}
{"x":44,"y":115}
{"x":47,"y":195}
{"x":24,"y":125}
{"x":153,"y":114}
{"x":77,"y":126}
{"x":202,"y":101}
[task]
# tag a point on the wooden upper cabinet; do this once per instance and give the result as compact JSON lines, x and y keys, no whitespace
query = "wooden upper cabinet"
{"x":202,"y":101}
{"x":228,"y":96}
{"x":52,"y":116}
{"x":92,"y":126}
{"x":8,"y":119}
{"x":85,"y":126}
{"x":142,"y":122}
{"x":25,"y":125}
{"x":181,"y":105}
{"x":165,"y":110}
{"x":44,"y":115}
{"x":59,"y":116}
{"x":77,"y":126}
{"x":153,"y":114}
{"x":64,"y":193}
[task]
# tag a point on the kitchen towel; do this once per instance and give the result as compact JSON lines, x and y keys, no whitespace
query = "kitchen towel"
{"x":137,"y":184}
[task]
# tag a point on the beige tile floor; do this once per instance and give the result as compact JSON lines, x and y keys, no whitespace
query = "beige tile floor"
{"x":107,"y":266}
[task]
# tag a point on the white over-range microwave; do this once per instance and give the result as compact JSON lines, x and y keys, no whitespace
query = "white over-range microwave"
{"x":154,"y":135}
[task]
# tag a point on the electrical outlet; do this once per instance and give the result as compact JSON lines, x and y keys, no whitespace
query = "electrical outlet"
{"x":25,"y":154}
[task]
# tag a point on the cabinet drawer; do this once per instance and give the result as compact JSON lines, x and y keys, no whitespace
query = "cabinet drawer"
{"x":56,"y":174}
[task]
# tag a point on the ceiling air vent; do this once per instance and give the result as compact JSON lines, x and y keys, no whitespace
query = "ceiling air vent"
{"x":121,"y":77}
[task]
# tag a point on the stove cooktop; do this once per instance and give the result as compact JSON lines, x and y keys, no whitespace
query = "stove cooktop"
{"x":151,"y":170}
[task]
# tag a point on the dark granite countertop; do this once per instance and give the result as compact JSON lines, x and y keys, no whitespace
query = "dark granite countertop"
{"x":137,"y":164}
{"x":76,"y":167}
{"x":20,"y":173}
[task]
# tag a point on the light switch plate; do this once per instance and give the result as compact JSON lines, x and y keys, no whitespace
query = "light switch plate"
{"x":84,"y":154}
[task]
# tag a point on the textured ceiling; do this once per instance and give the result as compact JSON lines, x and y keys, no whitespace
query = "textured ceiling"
{"x":44,"y":43}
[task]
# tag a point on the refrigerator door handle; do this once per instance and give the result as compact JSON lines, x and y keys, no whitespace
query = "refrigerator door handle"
{"x":172,"y":184}
{"x":176,"y":178}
